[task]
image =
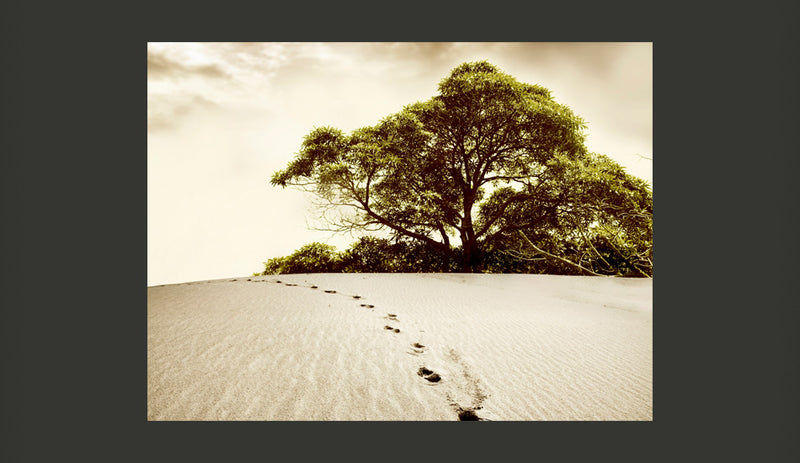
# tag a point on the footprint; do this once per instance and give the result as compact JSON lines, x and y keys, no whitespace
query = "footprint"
{"x":467,"y":414}
{"x":417,"y":349}
{"x":465,"y":388}
{"x":429,"y":375}
{"x":387,"y":327}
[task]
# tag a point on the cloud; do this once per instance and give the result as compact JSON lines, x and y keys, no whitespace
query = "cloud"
{"x":181,"y":82}
{"x":427,"y":52}
{"x":163,"y":112}
{"x":160,"y":66}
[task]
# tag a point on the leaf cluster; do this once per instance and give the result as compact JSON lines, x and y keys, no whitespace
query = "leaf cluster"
{"x":367,"y":255}
{"x":310,"y":258}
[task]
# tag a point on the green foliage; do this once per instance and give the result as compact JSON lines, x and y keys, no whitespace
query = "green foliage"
{"x":587,"y":210}
{"x":414,"y":256}
{"x":367,"y":255}
{"x":311,"y":258}
{"x":274,"y":266}
{"x":484,"y":160}
{"x":370,"y":254}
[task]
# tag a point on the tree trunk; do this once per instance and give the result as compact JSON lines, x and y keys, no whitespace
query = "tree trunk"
{"x":466,"y":256}
{"x":471,"y":256}
{"x":469,"y":262}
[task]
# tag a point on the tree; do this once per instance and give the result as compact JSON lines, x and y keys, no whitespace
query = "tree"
{"x":424,"y":172}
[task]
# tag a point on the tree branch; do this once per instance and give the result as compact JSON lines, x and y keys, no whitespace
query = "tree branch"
{"x":496,"y":216}
{"x":566,"y":261}
{"x":398,"y":228}
{"x":589,"y":242}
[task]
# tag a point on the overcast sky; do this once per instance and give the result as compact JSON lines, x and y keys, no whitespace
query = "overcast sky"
{"x":223,"y":117}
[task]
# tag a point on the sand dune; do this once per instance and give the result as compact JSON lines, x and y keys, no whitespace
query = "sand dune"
{"x":401,"y":347}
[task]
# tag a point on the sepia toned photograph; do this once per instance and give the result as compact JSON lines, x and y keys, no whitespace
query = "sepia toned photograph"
{"x":400,"y":231}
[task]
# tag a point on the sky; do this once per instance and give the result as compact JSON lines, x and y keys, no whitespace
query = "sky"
{"x":223,"y":117}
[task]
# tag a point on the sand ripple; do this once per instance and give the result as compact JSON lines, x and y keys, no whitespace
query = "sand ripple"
{"x":508,"y":347}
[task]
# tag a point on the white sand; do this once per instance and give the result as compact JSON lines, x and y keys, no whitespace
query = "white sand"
{"x":512,"y":347}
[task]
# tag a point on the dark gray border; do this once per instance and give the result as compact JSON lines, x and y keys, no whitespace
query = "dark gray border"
{"x":74,"y":230}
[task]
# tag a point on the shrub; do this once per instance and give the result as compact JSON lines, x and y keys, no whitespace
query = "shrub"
{"x":311,"y":258}
{"x":370,"y":254}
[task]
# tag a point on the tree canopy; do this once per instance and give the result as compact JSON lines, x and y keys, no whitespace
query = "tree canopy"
{"x":493,"y":162}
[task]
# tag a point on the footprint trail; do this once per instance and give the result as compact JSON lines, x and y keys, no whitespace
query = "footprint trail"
{"x":463,"y":391}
